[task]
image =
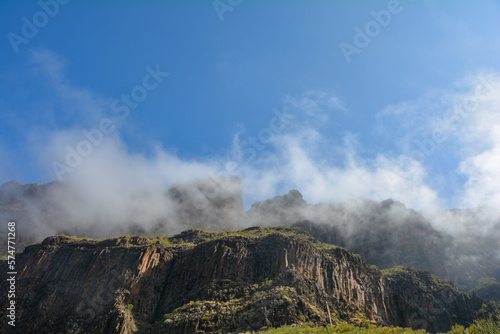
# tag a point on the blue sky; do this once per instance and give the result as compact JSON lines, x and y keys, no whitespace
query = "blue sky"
{"x":383,"y":121}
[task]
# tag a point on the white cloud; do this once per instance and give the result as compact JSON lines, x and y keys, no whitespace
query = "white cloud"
{"x":460,"y":123}
{"x":299,"y":161}
{"x":480,"y":137}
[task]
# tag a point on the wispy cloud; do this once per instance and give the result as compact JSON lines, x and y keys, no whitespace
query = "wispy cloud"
{"x":301,"y":162}
{"x":316,"y":105}
{"x":75,"y":105}
{"x":459,"y":124}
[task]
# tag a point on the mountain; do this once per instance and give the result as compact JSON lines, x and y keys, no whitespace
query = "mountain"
{"x":385,"y":234}
{"x":388,"y":234}
{"x":200,"y":281}
{"x":462,"y":246}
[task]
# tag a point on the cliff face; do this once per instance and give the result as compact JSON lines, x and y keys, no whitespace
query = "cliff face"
{"x":228,"y":281}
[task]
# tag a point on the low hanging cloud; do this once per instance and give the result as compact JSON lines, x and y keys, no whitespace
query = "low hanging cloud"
{"x":299,"y":163}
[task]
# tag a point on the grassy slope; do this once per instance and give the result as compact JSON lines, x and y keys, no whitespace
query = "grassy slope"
{"x":482,"y":326}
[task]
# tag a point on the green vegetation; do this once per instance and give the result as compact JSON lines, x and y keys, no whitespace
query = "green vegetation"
{"x":125,"y":312}
{"x":488,"y":308}
{"x":127,"y":240}
{"x":194,"y":237}
{"x":73,"y":237}
{"x":162,"y":240}
{"x":393,"y":271}
{"x":485,"y":282}
{"x":436,"y":282}
{"x":206,"y":236}
{"x":440,"y":283}
{"x":487,"y":288}
{"x":260,"y":232}
{"x":248,"y":303}
{"x":489,"y":325}
{"x":324,"y":246}
{"x":342,"y":328}
{"x":3,"y":252}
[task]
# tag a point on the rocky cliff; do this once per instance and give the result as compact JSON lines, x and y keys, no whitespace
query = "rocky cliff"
{"x":227,"y":281}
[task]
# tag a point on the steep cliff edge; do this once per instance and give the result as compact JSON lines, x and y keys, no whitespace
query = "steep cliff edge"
{"x":226,"y":281}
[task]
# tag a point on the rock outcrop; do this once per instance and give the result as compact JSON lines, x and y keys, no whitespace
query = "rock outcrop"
{"x":227,"y":281}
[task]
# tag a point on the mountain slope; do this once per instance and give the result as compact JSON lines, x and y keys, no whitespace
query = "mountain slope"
{"x":226,"y":281}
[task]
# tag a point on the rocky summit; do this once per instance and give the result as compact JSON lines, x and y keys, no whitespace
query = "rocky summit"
{"x":220,"y":282}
